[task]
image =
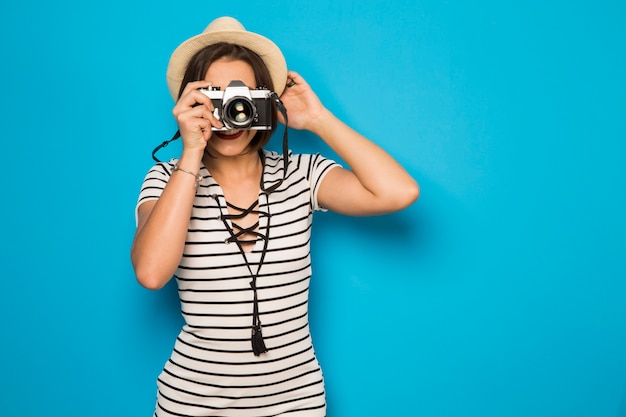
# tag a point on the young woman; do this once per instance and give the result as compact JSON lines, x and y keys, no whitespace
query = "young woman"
{"x":233,"y":226}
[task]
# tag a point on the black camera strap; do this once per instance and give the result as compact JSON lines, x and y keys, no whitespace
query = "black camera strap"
{"x":281,"y":108}
{"x":163,"y":145}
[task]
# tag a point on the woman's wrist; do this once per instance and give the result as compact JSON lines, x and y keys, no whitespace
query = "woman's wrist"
{"x":321,"y":123}
{"x":191,"y":159}
{"x":189,"y":165}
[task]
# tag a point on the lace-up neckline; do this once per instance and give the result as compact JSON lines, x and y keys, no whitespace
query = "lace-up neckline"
{"x":246,"y":237}
{"x":242,"y":236}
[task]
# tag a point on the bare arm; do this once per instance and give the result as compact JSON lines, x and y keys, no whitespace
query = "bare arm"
{"x":162,"y":230}
{"x":375,"y":184}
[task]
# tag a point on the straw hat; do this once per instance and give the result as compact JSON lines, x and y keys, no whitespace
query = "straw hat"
{"x":227,"y":29}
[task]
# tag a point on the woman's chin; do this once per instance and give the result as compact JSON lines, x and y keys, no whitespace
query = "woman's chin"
{"x":227,"y":144}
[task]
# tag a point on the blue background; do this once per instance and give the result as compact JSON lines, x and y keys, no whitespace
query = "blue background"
{"x":500,"y":293}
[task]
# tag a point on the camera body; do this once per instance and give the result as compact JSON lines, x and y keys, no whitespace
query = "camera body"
{"x":239,"y":107}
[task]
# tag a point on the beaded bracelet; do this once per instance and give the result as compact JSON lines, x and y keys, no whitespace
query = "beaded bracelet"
{"x":198,"y":177}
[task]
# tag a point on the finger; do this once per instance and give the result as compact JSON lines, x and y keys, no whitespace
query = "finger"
{"x":193,"y":125}
{"x":293,"y":79}
{"x":202,"y":128}
{"x":201,"y":116}
{"x":211,"y":118}
{"x":192,"y":99}
{"x":190,"y":116}
{"x":196,"y":112}
{"x":195,"y":85}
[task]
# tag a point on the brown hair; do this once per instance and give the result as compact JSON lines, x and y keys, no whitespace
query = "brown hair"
{"x":202,"y":60}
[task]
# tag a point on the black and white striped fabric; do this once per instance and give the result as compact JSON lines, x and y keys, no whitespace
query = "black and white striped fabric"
{"x":212,"y":370}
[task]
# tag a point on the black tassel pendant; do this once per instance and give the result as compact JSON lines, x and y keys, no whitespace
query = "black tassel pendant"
{"x":258,"y":344}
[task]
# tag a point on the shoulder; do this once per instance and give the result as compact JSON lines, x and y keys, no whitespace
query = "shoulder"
{"x":158,"y":175}
{"x":162,"y":169}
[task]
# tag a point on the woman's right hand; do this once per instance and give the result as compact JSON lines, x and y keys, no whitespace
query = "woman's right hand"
{"x":194,"y":114}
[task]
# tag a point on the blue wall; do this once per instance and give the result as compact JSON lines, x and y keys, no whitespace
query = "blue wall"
{"x":500,"y":293}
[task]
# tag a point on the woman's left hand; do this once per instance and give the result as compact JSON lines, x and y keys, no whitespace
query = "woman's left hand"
{"x":304,"y":108}
{"x":375,"y":182}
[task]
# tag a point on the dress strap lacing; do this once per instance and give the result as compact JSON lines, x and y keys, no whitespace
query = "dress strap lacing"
{"x":236,"y":232}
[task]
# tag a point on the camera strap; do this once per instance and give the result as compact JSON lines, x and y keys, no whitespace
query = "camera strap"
{"x":281,"y":108}
{"x":163,"y":145}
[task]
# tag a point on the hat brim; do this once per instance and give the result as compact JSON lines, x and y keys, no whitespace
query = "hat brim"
{"x":262,"y":46}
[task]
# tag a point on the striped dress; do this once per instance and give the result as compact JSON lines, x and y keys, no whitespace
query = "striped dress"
{"x":212,"y":370}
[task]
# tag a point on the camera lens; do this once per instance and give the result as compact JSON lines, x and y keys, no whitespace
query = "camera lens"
{"x":239,"y":112}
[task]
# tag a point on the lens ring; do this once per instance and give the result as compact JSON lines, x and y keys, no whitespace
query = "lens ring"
{"x":239,"y":112}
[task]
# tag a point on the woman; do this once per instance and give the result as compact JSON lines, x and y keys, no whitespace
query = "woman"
{"x":233,"y":226}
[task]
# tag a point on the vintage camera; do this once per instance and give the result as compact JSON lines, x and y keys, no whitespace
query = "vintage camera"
{"x":239,"y":107}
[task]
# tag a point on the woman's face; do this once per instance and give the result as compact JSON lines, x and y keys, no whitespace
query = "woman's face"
{"x":220,"y":73}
